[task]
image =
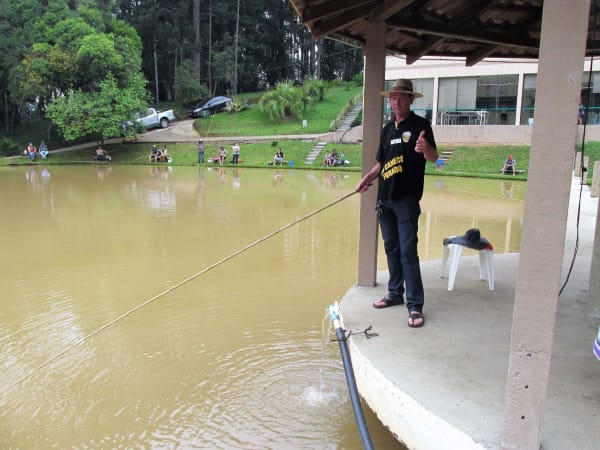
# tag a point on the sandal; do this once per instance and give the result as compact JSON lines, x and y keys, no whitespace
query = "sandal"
{"x":386,"y":302}
{"x":413,"y":316}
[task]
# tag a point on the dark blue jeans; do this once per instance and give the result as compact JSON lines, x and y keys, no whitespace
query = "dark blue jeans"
{"x":399,"y":222}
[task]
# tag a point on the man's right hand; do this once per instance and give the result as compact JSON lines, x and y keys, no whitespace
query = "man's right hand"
{"x":363,"y":185}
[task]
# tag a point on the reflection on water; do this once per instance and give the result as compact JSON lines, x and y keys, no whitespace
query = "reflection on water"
{"x":236,"y":357}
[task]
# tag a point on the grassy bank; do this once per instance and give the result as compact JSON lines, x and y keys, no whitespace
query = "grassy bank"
{"x":466,"y":161}
{"x":185,"y":154}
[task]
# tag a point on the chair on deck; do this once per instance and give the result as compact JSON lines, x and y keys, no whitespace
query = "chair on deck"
{"x":453,"y":246}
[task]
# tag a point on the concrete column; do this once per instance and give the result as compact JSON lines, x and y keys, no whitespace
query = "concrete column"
{"x":519,"y":98}
{"x":507,"y":235}
{"x":436,"y":96}
{"x":595,"y":190}
{"x":586,"y":166}
{"x":577,"y":169}
{"x":562,"y":51}
{"x":593,"y":304}
{"x":372,"y":122}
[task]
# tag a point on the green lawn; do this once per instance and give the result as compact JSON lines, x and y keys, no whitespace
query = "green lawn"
{"x":483,"y":161}
{"x":591,"y":149}
{"x":185,"y":154}
{"x":253,"y":122}
{"x":468,"y":161}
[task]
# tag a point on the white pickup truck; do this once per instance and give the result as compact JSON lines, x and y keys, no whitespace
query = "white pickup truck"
{"x":155,"y":118}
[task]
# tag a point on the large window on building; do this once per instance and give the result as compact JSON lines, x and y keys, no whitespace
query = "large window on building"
{"x":590,"y":99}
{"x":423,"y":106}
{"x":478,"y":100}
{"x":497,"y":94}
{"x":528,"y":103}
{"x":589,"y":109}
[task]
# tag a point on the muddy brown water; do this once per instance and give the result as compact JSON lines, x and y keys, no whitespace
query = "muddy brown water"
{"x":239,"y":357}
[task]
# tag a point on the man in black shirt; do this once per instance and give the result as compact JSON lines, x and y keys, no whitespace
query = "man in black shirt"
{"x":406,"y":145}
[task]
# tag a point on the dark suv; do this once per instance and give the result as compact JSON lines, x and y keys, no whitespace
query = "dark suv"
{"x":210,"y":106}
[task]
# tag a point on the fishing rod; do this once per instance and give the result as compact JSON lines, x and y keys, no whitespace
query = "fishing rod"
{"x":340,"y":333}
{"x":171,"y":289}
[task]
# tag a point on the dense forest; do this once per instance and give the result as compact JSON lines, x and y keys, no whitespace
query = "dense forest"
{"x":73,"y":58}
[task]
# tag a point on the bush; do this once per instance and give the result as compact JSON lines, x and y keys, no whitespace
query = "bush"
{"x":8,"y":146}
{"x":188,"y":89}
{"x":358,"y":79}
{"x":237,"y":104}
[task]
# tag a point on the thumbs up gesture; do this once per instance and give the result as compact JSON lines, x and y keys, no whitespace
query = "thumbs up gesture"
{"x":421,"y":145}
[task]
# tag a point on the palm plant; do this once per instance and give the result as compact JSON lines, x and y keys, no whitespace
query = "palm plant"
{"x":315,"y":88}
{"x":285,"y":101}
{"x":237,"y":104}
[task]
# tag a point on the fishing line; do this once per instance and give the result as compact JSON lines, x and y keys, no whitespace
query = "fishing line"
{"x":171,"y":289}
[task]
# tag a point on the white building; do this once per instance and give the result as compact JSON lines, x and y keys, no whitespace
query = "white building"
{"x":454,"y":94}
{"x":492,"y":92}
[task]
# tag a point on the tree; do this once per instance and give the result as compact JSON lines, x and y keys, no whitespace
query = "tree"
{"x":87,"y":67}
{"x":187,"y":86}
{"x":235,"y":49}
{"x":17,"y":27}
{"x":197,"y":54}
{"x":98,"y":115}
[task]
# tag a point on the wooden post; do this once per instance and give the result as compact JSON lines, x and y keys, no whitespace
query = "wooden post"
{"x":372,"y":121}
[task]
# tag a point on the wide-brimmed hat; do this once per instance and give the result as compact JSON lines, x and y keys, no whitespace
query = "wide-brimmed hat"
{"x":471,"y":239}
{"x":402,"y":86}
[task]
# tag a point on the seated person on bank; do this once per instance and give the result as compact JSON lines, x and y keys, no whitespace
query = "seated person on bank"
{"x":43,"y":150}
{"x":101,"y":154}
{"x":278,"y":158}
{"x":154,"y":154}
{"x":510,"y":165}
{"x":163,"y":154}
{"x":335,"y":158}
{"x":31,"y":151}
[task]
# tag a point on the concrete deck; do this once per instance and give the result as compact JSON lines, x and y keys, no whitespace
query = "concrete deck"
{"x":442,"y":386}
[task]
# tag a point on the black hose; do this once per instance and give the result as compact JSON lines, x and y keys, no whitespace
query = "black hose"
{"x":340,"y":333}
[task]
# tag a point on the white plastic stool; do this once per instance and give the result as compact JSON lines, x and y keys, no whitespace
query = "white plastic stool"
{"x":486,"y":264}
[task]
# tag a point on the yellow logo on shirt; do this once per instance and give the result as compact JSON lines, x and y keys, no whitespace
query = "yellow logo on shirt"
{"x":392,"y":167}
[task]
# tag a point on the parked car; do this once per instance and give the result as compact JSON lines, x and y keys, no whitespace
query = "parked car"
{"x":211,"y":106}
{"x":152,"y":119}
{"x":155,"y":118}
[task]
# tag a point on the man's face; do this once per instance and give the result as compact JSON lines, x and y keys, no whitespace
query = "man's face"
{"x":400,"y":103}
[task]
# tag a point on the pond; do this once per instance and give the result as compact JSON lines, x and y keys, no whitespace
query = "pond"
{"x":173,"y":307}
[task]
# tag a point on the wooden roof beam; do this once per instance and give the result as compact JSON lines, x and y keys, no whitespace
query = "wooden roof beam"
{"x":423,"y":49}
{"x":476,"y":56}
{"x":432,"y":42}
{"x":463,"y":33}
{"x":388,"y":8}
{"x":310,"y":15}
{"x":325,"y":27}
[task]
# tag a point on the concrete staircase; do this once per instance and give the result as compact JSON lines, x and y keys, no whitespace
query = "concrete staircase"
{"x":344,"y":126}
{"x":314,"y":153}
{"x":445,"y":155}
{"x":349,"y":118}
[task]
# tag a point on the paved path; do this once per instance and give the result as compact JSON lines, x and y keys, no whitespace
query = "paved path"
{"x":183,"y":131}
